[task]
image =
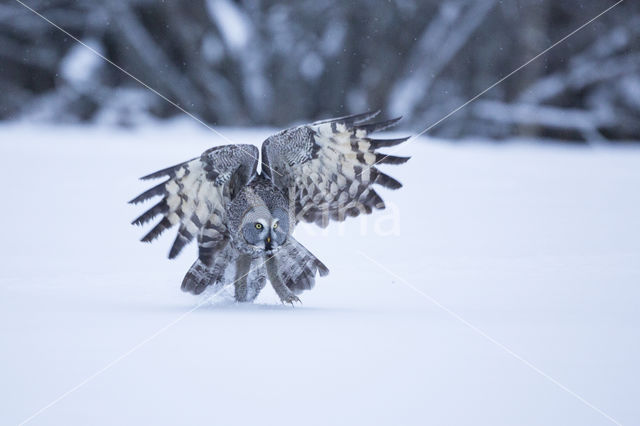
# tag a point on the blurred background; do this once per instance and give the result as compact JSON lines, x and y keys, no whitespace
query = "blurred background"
{"x":498,"y":287}
{"x":271,"y":63}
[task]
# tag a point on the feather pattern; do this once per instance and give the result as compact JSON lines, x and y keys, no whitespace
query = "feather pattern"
{"x":297,"y":267}
{"x":329,"y":167}
{"x":196,"y":192}
{"x":219,"y":272}
{"x":316,"y":172}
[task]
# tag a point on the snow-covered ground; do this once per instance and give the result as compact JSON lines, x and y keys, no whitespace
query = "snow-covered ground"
{"x":538,"y":246}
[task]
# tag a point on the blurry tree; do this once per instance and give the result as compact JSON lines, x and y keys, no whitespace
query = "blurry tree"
{"x":270,"y":62}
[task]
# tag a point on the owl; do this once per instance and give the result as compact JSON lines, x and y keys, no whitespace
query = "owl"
{"x":243,"y":218}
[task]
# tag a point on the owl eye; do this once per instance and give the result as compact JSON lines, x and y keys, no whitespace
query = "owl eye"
{"x":258,"y":226}
{"x":275,"y":225}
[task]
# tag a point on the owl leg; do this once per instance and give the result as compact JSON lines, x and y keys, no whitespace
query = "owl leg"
{"x":283,"y":292}
{"x":243,"y":265}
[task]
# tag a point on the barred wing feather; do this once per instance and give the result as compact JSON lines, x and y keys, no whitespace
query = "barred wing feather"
{"x":196,"y":192}
{"x":329,"y":167}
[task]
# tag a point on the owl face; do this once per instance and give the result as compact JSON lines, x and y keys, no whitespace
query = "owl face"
{"x":265,"y":230}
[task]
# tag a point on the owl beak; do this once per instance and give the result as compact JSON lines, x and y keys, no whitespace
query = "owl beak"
{"x":267,"y":244}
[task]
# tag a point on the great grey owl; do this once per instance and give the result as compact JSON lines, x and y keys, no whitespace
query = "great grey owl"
{"x":244,"y":218}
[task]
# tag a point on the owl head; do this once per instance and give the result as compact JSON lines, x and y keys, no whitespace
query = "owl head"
{"x":263,"y":229}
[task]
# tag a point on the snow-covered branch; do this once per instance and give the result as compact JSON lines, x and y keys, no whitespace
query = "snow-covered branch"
{"x":239,"y":62}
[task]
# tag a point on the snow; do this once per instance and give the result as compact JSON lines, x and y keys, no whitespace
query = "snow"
{"x":537,"y":245}
{"x":80,"y":65}
{"x":311,"y":66}
{"x":231,"y":21}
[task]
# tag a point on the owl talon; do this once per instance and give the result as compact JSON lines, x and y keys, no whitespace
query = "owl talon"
{"x":290,"y":299}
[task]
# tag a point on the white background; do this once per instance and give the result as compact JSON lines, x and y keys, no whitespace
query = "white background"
{"x":537,"y":245}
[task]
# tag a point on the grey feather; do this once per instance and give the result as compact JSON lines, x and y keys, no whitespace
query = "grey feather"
{"x":297,"y":267}
{"x":218,"y":273}
{"x":331,"y":167}
{"x":196,"y":189}
{"x":317,"y":173}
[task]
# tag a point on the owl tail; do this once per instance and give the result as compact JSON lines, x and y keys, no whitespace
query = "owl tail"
{"x":226,"y":267}
{"x":297,"y":267}
{"x":216,"y":269}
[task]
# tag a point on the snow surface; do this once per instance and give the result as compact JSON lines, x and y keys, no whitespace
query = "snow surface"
{"x":537,"y":245}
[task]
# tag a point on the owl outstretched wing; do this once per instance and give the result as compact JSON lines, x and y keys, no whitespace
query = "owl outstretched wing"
{"x":196,"y":192}
{"x":329,"y":167}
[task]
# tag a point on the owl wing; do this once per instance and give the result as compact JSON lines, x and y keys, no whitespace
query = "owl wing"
{"x":196,"y":192}
{"x":329,"y":167}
